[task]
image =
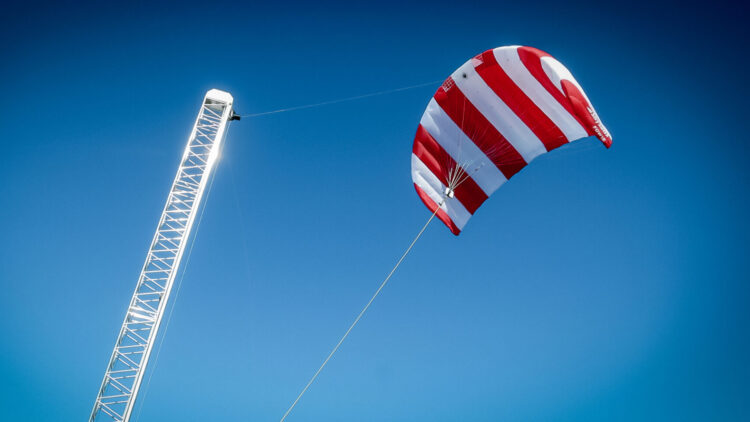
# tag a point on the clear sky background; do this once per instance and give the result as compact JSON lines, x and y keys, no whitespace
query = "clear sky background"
{"x":596,"y":285}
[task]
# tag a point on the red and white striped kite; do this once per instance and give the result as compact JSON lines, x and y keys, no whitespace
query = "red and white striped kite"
{"x":489,"y":119}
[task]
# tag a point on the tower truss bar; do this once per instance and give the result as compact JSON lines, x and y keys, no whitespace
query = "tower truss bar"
{"x":127,"y":365}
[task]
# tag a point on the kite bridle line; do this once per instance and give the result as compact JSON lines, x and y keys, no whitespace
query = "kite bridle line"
{"x":362,"y":312}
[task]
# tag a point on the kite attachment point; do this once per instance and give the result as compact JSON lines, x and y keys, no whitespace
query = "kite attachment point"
{"x":449,"y":193}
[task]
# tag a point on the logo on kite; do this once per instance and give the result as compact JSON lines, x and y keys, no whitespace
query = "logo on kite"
{"x":491,"y":118}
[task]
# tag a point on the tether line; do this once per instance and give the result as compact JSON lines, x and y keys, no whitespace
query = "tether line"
{"x":356,"y":320}
{"x":341,"y":100}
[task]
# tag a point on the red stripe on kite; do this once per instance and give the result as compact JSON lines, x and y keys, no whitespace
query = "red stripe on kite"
{"x":504,"y":87}
{"x":473,"y":123}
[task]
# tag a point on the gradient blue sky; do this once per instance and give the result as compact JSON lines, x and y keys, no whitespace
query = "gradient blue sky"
{"x":597,"y":285}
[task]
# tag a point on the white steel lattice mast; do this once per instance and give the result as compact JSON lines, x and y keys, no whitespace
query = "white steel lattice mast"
{"x":127,"y":365}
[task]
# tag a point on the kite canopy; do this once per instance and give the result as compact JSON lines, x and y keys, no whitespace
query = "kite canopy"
{"x":488,"y":120}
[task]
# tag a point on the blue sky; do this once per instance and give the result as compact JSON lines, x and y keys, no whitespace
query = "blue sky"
{"x":596,"y":285}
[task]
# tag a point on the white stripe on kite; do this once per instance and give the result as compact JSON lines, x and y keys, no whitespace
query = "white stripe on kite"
{"x":556,"y":72}
{"x":461,"y":148}
{"x":497,"y":112}
{"x":511,"y":63}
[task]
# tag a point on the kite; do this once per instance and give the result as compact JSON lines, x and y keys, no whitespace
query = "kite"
{"x":488,"y":120}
